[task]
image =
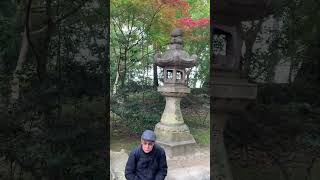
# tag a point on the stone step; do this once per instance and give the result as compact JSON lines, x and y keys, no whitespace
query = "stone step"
{"x":189,"y":173}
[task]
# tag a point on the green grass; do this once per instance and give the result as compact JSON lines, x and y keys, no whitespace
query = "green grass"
{"x":120,"y":136}
{"x":121,"y":140}
{"x":199,"y":128}
{"x":201,"y":135}
{"x":126,"y":142}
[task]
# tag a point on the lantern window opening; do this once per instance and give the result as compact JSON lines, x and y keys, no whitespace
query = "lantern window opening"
{"x":220,"y":44}
{"x":169,"y":74}
{"x":179,"y":75}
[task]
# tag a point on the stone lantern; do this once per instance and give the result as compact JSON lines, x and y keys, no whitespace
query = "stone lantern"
{"x":231,"y":92}
{"x":172,"y":133}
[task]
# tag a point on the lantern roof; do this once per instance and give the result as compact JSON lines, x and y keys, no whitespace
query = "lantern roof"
{"x":175,"y":56}
{"x":234,"y":11}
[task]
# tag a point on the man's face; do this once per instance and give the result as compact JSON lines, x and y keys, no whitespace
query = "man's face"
{"x":147,"y":146}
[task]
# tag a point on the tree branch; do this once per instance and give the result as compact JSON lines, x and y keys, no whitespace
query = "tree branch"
{"x":70,"y":13}
{"x":28,"y":10}
{"x":148,"y":27}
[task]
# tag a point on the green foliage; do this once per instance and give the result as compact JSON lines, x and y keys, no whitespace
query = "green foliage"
{"x":200,"y":133}
{"x":140,"y":29}
{"x":279,"y":133}
{"x":299,"y":40}
{"x":57,"y":128}
{"x":7,"y":8}
{"x":140,"y":110}
{"x":69,"y":146}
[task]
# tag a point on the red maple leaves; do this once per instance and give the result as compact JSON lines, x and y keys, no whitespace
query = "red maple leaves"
{"x":190,"y":23}
{"x":186,"y":22}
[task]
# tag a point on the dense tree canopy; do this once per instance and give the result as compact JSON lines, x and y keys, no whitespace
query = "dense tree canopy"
{"x":52,"y":111}
{"x":141,"y":28}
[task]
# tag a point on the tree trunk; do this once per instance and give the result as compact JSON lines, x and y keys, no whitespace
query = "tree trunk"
{"x":290,"y":72}
{"x":120,"y":76}
{"x":115,"y":84}
{"x":155,"y":76}
{"x":249,"y":38}
{"x":15,"y":83}
{"x":275,"y":53}
{"x":122,"y":66}
{"x":42,"y":40}
{"x":155,"y":69}
{"x":305,"y":70}
{"x":194,"y":84}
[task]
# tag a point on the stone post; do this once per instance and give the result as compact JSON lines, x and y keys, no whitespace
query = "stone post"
{"x":220,"y":165}
{"x":230,"y":92}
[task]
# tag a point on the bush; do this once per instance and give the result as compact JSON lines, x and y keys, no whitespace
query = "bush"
{"x":140,"y":111}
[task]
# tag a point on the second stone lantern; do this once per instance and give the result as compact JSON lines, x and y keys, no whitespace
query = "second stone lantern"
{"x":172,"y":133}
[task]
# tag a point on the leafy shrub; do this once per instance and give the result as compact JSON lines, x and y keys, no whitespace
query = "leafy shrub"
{"x":140,"y":111}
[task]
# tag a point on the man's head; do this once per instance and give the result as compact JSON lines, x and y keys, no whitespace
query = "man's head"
{"x":148,"y":139}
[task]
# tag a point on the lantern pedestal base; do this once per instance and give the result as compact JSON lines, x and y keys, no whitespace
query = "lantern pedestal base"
{"x":175,"y":139}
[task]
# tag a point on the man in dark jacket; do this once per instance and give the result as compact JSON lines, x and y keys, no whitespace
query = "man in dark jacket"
{"x":147,"y":161}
